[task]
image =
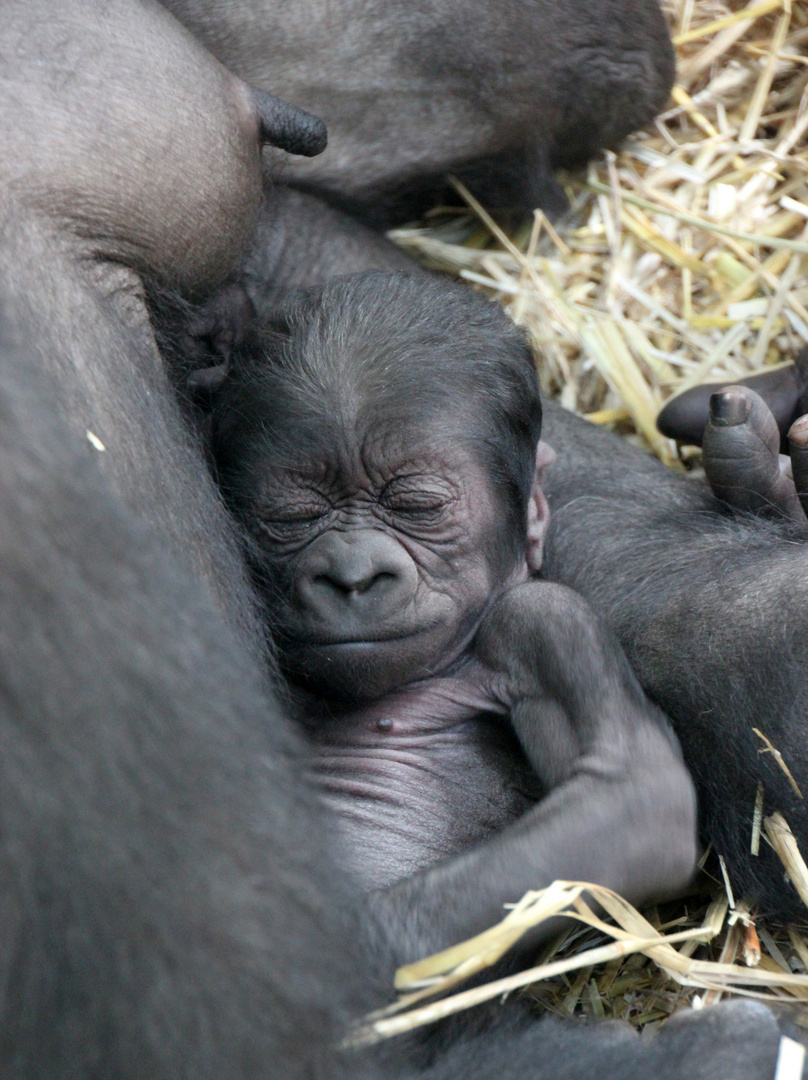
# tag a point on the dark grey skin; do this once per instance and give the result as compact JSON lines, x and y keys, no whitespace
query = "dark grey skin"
{"x":500,"y":94}
{"x":396,"y":560}
{"x":743,"y":464}
{"x":298,"y":241}
{"x":784,"y":389}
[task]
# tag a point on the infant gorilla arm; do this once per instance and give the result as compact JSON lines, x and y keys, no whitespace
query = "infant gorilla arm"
{"x":379,"y":442}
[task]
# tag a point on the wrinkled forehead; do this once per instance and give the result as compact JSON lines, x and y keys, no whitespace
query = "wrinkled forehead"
{"x":390,"y":426}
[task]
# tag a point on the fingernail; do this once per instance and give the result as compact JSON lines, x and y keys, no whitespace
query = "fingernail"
{"x":798,"y":433}
{"x":729,"y":407}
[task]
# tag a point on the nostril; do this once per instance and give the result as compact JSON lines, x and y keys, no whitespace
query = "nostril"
{"x":374,"y":582}
{"x":347,"y":586}
{"x":327,"y":583}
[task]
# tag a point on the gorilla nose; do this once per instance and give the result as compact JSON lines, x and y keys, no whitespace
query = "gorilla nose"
{"x":361,"y":573}
{"x":356,"y":580}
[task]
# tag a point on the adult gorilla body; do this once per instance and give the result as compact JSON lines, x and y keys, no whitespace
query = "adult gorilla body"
{"x":498,"y":93}
{"x":172,"y":898}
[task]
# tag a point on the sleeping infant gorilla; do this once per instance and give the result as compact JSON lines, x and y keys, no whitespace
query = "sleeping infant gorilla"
{"x":378,"y":441}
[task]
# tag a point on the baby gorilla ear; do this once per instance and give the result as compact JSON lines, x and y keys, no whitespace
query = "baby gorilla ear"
{"x":538,"y":510}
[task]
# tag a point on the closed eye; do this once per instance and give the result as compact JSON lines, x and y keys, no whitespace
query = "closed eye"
{"x":416,"y":511}
{"x":289,"y":527}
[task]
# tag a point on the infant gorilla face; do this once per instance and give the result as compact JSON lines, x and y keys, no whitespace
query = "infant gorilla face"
{"x":384,"y":543}
{"x":377,"y":439}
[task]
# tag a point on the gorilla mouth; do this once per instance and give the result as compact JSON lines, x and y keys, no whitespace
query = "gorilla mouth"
{"x":316,"y":642}
{"x":324,"y":643}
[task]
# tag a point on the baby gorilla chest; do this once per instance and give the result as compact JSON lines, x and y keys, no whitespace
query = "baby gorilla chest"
{"x":408,"y":798}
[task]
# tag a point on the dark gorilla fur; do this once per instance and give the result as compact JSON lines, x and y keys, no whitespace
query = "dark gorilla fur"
{"x":172,"y":902}
{"x":496,"y":93}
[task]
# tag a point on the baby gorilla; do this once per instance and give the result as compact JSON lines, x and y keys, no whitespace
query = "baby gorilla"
{"x":378,"y":440}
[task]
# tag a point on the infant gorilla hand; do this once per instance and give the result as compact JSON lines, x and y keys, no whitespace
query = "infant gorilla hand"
{"x":592,"y":736}
{"x":742,"y":457}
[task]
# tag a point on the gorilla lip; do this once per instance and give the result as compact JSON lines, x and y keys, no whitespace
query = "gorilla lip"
{"x":325,"y":643}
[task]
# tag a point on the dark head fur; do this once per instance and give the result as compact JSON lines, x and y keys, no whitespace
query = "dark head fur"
{"x":392,"y":345}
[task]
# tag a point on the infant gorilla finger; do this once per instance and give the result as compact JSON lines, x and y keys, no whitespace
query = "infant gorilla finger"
{"x":798,"y":449}
{"x":742,"y":455}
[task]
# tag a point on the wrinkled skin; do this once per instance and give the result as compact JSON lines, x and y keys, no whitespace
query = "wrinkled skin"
{"x":498,"y":93}
{"x":363,"y":769}
{"x":166,"y":869}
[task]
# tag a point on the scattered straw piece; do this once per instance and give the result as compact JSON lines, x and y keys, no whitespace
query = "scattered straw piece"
{"x":727,"y":886}
{"x":630,"y":932}
{"x":708,"y":29}
{"x":751,"y":946}
{"x":778,"y":757}
{"x":757,"y":820}
{"x":799,"y":945}
{"x":783,"y":841}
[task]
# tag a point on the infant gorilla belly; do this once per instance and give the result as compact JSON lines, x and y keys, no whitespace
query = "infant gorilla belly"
{"x":411,"y":786}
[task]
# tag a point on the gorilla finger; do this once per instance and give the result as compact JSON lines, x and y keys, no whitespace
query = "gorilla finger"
{"x":217,"y":329}
{"x":742,"y":455}
{"x":783,"y":388}
{"x":798,"y":449}
{"x":288,"y":127}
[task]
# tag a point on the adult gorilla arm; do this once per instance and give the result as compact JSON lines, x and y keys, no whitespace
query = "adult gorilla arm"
{"x":165,"y":899}
{"x":132,"y":154}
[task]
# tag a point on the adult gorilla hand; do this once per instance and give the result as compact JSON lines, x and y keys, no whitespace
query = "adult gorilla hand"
{"x":742,"y":458}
